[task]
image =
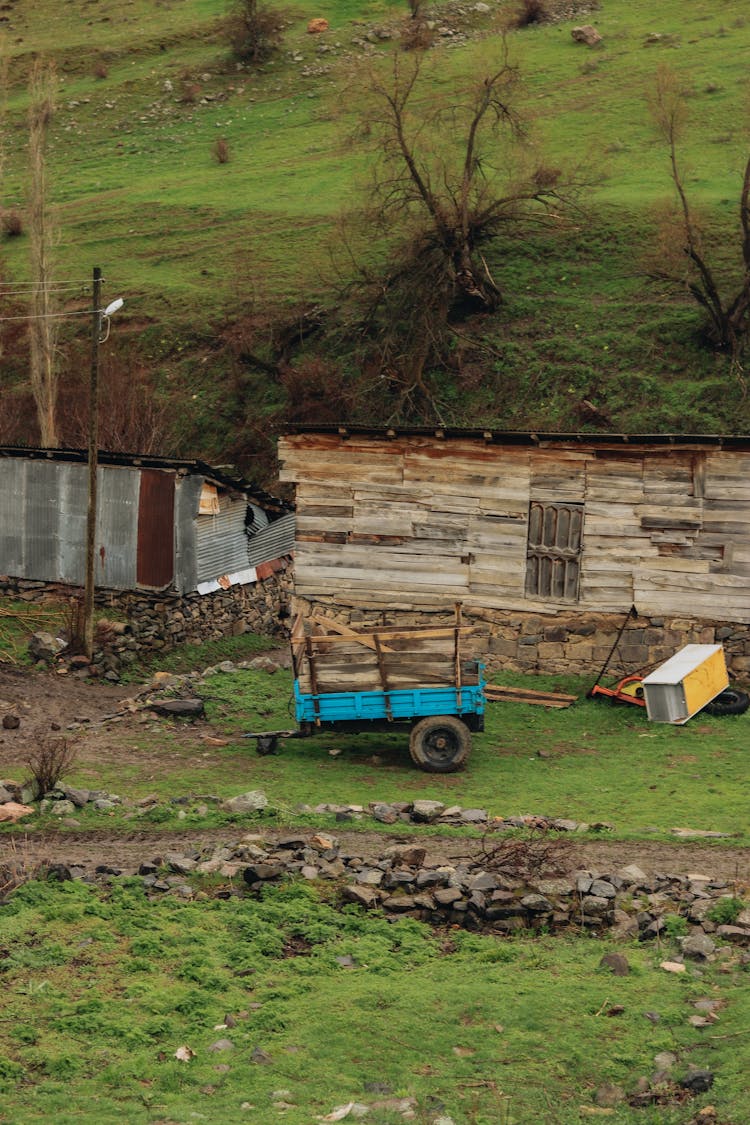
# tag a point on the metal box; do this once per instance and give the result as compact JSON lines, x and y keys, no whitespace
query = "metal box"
{"x":684,"y":684}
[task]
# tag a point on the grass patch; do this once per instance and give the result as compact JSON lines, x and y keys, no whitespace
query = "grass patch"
{"x":594,"y":762}
{"x":100,"y":991}
{"x":18,"y":620}
{"x":194,"y":245}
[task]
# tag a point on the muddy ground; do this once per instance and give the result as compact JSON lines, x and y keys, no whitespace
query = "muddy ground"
{"x":48,"y":702}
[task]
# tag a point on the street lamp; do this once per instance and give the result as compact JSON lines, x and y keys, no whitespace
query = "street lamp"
{"x":98,"y":315}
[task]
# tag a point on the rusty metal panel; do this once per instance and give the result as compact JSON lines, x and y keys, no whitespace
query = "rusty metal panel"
{"x":273,"y":541}
{"x":12,"y":516}
{"x":221,"y":540}
{"x":156,"y":538}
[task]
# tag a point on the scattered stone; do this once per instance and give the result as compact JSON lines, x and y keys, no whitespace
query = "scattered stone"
{"x":12,"y":811}
{"x":426,"y":811}
{"x":178,"y":708}
{"x":698,"y":947}
{"x":664,"y":1061}
{"x":586,"y":34}
{"x":697,"y":1081}
{"x":222,"y":1045}
{"x":253,"y":801}
{"x":672,"y":966}
{"x":617,"y":963}
{"x":609,"y":1095}
{"x":11,"y":721}
{"x":385,"y":814}
{"x":43,"y":646}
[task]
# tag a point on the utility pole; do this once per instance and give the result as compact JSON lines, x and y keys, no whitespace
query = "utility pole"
{"x":93,"y":462}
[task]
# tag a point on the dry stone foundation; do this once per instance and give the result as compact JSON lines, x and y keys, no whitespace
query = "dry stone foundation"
{"x":144,"y":623}
{"x":574,"y":643}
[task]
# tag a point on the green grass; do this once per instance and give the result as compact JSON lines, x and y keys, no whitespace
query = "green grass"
{"x":195,"y":246}
{"x":594,"y":762}
{"x":101,"y":989}
{"x":18,"y":620}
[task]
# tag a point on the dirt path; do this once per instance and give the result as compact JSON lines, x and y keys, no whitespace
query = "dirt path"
{"x":127,"y":850}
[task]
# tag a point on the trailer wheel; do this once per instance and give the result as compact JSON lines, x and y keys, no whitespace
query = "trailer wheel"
{"x":730,"y":702}
{"x":439,"y":743}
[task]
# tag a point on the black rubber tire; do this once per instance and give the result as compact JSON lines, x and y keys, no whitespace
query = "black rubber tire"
{"x":440,"y":743}
{"x":730,"y":702}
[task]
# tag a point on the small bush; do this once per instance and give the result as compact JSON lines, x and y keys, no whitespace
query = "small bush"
{"x":254,"y":32}
{"x":189,"y":91}
{"x":101,"y":71}
{"x":726,"y":911}
{"x":50,"y":762}
{"x":417,"y":35}
{"x":530,"y":12}
{"x":220,"y":150}
{"x":12,"y":224}
{"x":674,"y":926}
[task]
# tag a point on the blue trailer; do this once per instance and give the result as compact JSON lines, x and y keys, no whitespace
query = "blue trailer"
{"x":386,"y":678}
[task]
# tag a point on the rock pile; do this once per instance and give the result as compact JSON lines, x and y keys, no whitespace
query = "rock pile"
{"x":628,"y":904}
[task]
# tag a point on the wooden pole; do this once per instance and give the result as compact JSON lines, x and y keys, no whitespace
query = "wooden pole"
{"x":93,"y":463}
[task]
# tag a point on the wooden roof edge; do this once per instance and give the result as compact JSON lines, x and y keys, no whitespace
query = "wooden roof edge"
{"x":491,"y":435}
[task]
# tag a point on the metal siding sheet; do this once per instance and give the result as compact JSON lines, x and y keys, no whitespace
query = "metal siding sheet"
{"x":187,"y":501}
{"x":273,"y":542}
{"x":12,"y":516}
{"x":155,"y":567}
{"x":221,"y":540}
{"x":42,"y":514}
{"x":73,"y":484}
{"x":116,"y":527}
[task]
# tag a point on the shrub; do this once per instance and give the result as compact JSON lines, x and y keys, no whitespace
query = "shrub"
{"x":254,"y":32}
{"x":726,"y":911}
{"x":189,"y":91}
{"x":674,"y":926}
{"x":50,"y":761}
{"x":100,"y":71}
{"x":12,"y":224}
{"x":220,"y":150}
{"x":417,"y":35}
{"x":530,"y":12}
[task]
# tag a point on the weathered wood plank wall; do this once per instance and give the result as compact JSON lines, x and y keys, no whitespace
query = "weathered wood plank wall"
{"x":419,"y":522}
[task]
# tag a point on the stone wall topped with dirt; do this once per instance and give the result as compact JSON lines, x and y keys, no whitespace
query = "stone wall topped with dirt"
{"x":577,"y":643}
{"x":143,"y":623}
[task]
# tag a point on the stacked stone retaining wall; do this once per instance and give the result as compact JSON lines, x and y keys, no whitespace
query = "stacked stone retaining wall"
{"x":143,"y":623}
{"x":575,"y":643}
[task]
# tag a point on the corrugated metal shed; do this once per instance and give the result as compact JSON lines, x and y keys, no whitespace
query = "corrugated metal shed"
{"x":221,"y":540}
{"x":149,"y":531}
{"x":273,"y":542}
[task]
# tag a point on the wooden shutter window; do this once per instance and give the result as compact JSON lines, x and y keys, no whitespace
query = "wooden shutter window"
{"x":554,"y":550}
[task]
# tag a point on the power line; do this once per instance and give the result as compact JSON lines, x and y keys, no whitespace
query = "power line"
{"x":48,"y":316}
{"x":42,"y":289}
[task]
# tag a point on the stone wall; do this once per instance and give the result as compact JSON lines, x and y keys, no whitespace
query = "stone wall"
{"x":576,"y":643}
{"x":143,"y":623}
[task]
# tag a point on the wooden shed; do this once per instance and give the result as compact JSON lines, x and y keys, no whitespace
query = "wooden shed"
{"x":549,"y":525}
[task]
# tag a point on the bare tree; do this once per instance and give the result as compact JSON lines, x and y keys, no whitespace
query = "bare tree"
{"x":43,"y":326}
{"x":449,"y":179}
{"x":728,"y":315}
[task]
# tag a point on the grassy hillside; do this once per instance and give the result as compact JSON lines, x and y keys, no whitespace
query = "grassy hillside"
{"x":212,"y":258}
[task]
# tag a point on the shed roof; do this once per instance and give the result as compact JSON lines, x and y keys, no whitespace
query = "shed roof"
{"x":494,"y":436}
{"x":145,"y":461}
